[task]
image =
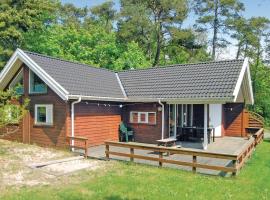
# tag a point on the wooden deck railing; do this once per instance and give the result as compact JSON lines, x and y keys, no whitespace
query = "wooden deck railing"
{"x":83,"y":140}
{"x":237,"y":160}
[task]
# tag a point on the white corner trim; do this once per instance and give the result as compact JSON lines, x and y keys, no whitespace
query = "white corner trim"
{"x":250,"y":85}
{"x":240,"y":79}
{"x":121,"y":86}
{"x":19,"y":54}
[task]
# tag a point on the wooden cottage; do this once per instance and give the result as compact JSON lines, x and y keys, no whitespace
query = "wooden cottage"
{"x":73,"y":99}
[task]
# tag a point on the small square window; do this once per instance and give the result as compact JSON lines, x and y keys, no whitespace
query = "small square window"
{"x":44,"y":114}
{"x":143,"y":117}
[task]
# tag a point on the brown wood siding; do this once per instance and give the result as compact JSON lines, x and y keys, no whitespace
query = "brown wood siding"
{"x":97,"y":122}
{"x":43,"y":135}
{"x":12,"y":132}
{"x":146,"y":133}
{"x":234,"y":119}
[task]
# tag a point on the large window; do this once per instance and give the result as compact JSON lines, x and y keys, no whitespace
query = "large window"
{"x":142,"y":117}
{"x":44,"y":114}
{"x":17,"y":83}
{"x":36,"y":85}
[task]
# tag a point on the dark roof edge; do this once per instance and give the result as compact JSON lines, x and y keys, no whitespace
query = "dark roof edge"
{"x":176,"y":65}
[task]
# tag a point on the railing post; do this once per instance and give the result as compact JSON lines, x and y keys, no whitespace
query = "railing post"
{"x":194,"y":159}
{"x":235,"y":167}
{"x":131,"y":154}
{"x":107,"y":152}
{"x":160,"y":157}
{"x":86,"y":149}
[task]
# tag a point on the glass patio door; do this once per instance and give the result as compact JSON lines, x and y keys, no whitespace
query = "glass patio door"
{"x":172,"y":120}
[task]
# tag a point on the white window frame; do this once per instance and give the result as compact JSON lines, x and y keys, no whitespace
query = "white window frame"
{"x":47,"y":106}
{"x":139,"y":113}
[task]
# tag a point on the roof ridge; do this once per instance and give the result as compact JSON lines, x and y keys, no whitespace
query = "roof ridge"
{"x":182,"y":64}
{"x":61,"y":59}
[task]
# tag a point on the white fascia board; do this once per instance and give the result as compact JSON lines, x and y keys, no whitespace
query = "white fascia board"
{"x":7,"y":67}
{"x":240,"y":79}
{"x":250,"y":86}
{"x":97,"y":98}
{"x":19,"y":54}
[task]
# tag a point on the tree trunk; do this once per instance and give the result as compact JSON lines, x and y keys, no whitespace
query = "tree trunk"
{"x":256,"y":70}
{"x":214,"y":41}
{"x":238,"y":49}
{"x":157,"y":56}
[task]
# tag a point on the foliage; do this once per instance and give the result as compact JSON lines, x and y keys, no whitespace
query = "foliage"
{"x":132,"y":58}
{"x":215,"y":15}
{"x":11,"y":111}
{"x":18,"y":17}
{"x":141,"y":34}
{"x":121,"y":180}
{"x":152,"y":22}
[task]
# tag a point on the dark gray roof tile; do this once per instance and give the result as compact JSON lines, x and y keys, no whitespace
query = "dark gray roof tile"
{"x":79,"y":79}
{"x":202,"y":80}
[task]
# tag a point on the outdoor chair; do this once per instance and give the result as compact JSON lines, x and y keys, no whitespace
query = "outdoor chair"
{"x":125,"y":133}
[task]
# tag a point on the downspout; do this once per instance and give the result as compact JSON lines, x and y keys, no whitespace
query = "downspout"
{"x":162,"y":119}
{"x":72,"y":119}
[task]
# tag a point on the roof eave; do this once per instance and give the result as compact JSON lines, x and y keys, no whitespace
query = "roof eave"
{"x":23,"y":57}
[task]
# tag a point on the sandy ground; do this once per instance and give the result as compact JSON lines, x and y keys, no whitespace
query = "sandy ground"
{"x":267,"y":134}
{"x":15,"y":159}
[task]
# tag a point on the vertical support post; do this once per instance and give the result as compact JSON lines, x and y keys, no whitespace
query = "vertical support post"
{"x":205,"y":134}
{"x":160,"y":157}
{"x":235,"y":167}
{"x":131,"y":153}
{"x":86,"y":148}
{"x":194,"y":159}
{"x":107,"y":152}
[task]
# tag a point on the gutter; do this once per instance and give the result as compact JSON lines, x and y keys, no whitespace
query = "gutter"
{"x":162,"y":120}
{"x":72,"y":119}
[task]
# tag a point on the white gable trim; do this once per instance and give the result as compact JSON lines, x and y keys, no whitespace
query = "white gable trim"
{"x":121,"y":86}
{"x":19,"y":54}
{"x":244,"y":70}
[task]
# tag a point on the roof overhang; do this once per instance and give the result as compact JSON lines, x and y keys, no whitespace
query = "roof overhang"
{"x":244,"y":85}
{"x":15,"y":63}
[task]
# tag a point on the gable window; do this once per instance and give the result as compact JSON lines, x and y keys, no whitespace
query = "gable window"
{"x":36,"y":85}
{"x":17,"y":83}
{"x":44,"y":114}
{"x":143,"y":117}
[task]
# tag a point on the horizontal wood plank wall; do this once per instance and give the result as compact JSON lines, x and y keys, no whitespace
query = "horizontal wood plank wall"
{"x":54,"y":135}
{"x":14,"y":133}
{"x":145,"y":133}
{"x":97,"y":122}
{"x":234,"y":119}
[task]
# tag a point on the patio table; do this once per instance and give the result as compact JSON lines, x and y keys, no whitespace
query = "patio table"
{"x":168,"y":142}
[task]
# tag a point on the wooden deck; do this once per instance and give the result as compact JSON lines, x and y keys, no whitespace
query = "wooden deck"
{"x":230,"y":146}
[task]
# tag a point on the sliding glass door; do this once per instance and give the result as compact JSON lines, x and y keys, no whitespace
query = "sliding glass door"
{"x":172,"y":120}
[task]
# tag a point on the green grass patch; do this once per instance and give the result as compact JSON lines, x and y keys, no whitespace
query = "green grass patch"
{"x":126,"y":181}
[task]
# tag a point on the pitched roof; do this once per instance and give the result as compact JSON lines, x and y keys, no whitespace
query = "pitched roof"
{"x":79,"y":79}
{"x":220,"y":81}
{"x":202,"y":80}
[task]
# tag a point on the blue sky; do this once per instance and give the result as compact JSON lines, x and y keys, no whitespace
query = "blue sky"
{"x":252,"y":8}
